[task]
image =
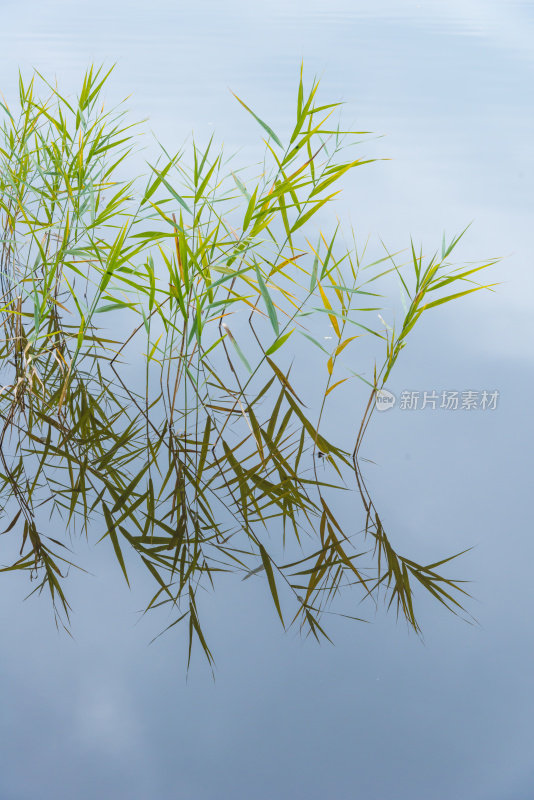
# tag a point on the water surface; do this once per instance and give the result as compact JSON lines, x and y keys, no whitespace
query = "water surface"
{"x":380,"y":715}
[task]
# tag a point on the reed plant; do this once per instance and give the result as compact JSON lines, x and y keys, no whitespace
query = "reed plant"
{"x":148,"y":398}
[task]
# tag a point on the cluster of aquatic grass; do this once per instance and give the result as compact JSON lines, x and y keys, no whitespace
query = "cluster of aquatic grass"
{"x":137,"y":399}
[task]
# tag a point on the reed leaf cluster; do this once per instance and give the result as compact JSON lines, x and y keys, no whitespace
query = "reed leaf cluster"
{"x":148,"y":396}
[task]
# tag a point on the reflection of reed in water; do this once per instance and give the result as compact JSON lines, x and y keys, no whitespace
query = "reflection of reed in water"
{"x":139,"y":400}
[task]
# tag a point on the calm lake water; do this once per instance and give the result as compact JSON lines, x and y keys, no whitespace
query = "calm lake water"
{"x":381,"y":716}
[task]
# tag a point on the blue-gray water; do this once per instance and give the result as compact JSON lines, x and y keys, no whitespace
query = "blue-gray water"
{"x":380,"y":716}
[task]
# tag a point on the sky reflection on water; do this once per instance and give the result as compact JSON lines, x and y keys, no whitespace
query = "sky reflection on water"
{"x":379,"y":715}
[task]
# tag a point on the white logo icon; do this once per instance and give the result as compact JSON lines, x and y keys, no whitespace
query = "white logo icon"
{"x":384,"y":400}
